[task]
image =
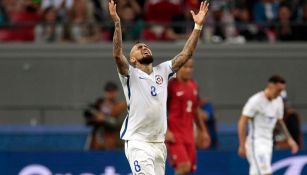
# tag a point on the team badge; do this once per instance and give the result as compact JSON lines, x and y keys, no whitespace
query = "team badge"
{"x":159,"y":79}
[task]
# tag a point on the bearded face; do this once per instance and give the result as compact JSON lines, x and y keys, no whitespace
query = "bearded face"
{"x":146,"y":60}
{"x":141,"y":54}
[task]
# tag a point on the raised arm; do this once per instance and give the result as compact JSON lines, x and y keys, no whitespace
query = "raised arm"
{"x":191,"y":43}
{"x":121,"y":60}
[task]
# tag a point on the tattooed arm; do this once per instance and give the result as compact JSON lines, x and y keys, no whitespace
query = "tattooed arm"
{"x":187,"y":51}
{"x":121,"y":60}
{"x":191,"y":43}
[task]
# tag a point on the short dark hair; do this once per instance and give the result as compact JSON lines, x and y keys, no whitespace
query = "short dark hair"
{"x":277,"y":79}
{"x":110,"y":86}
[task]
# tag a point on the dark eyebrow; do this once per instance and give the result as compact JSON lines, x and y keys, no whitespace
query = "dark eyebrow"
{"x":141,"y":45}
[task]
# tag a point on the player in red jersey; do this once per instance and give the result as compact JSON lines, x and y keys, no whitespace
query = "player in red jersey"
{"x":183,"y":110}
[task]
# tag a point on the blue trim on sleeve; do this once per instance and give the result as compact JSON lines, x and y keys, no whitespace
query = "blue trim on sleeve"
{"x":171,"y":74}
{"x":126,"y":126}
{"x":127,"y":117}
{"x":128,"y":86}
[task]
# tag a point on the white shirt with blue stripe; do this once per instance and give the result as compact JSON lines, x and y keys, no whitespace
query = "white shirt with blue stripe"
{"x":264,"y":114}
{"x":146,"y":97}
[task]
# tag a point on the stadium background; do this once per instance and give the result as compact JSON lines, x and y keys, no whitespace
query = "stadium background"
{"x":45,"y":88}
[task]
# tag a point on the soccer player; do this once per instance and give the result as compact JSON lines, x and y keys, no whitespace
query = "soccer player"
{"x":262,"y":111}
{"x":145,"y":89}
{"x":183,"y":110}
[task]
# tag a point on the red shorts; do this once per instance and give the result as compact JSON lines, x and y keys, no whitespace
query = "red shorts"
{"x":182,"y":153}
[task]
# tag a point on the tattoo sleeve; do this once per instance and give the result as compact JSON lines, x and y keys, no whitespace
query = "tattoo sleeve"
{"x":121,"y":60}
{"x":187,"y":52}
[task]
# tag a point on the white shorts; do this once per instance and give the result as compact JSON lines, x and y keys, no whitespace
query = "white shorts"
{"x":146,"y":158}
{"x":259,"y":158}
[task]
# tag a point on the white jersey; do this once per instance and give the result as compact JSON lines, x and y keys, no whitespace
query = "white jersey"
{"x":263,"y":115}
{"x":146,"y":97}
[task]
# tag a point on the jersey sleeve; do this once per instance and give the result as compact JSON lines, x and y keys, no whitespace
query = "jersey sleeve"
{"x":250,"y":108}
{"x":166,"y":68}
{"x":124,"y":78}
{"x":125,"y":81}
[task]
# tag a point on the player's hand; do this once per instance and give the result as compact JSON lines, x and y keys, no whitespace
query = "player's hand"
{"x":242,"y":151}
{"x":169,"y":137}
{"x":199,"y":18}
{"x":112,"y":10}
{"x":203,"y":140}
{"x":293,"y":145}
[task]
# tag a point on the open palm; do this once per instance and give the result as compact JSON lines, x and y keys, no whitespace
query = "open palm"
{"x":199,"y":18}
{"x":112,"y":10}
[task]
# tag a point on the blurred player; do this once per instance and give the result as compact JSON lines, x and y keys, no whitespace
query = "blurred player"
{"x":183,"y":110}
{"x":261,"y":112}
{"x":145,"y":89}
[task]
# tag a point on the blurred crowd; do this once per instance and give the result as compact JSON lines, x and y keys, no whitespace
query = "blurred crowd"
{"x":105,"y":116}
{"x":87,"y":21}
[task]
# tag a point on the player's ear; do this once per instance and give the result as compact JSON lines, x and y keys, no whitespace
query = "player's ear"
{"x":132,"y":60}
